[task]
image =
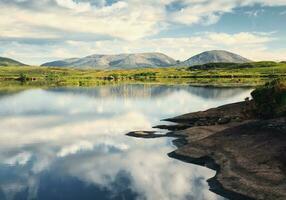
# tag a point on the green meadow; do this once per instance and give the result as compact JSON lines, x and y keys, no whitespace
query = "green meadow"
{"x":213,"y":74}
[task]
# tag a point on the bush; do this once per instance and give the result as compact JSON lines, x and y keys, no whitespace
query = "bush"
{"x":52,"y":76}
{"x":213,"y":66}
{"x":270,"y":100}
{"x":234,"y":65}
{"x":23,"y":77}
{"x":145,"y":74}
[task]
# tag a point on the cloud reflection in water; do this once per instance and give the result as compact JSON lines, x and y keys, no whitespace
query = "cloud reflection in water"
{"x":70,"y":143}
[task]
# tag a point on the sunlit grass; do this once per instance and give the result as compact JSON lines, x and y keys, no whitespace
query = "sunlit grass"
{"x":223,"y":74}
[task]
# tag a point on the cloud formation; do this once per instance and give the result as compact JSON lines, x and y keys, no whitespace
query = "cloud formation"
{"x":251,"y":45}
{"x":129,"y":19}
{"x":80,"y":134}
{"x":56,"y":23}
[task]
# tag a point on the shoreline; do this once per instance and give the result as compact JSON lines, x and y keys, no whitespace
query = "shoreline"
{"x":214,"y":185}
{"x":246,"y":152}
{"x":97,"y":82}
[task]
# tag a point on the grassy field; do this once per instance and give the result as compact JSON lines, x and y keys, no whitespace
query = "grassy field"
{"x":223,"y":74}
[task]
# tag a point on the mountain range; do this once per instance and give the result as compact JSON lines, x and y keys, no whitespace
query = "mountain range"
{"x":119,"y":61}
{"x":138,"y":60}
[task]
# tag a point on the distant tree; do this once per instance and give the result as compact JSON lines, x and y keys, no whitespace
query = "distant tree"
{"x":23,"y":77}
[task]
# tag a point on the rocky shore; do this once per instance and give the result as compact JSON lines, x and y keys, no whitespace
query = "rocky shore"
{"x":244,"y":142}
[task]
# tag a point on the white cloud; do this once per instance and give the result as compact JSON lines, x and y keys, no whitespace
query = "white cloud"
{"x":241,"y":39}
{"x":254,"y":13}
{"x":19,"y":159}
{"x":77,"y":6}
{"x":128,"y":19}
{"x":74,"y":148}
{"x":124,"y":26}
{"x":206,"y":12}
{"x":251,"y":45}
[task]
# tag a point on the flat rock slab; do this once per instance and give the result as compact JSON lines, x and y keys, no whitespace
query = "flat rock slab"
{"x":173,"y":127}
{"x":145,"y":134}
{"x":251,"y":155}
{"x":236,"y":112}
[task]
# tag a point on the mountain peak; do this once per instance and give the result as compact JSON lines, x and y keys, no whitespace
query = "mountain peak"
{"x":214,"y":56}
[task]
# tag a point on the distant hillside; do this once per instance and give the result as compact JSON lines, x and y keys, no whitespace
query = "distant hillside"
{"x":120,"y":61}
{"x":261,"y":64}
{"x":215,"y":56}
{"x":9,"y":62}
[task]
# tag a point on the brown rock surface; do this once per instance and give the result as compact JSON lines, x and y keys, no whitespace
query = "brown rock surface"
{"x":249,"y":154}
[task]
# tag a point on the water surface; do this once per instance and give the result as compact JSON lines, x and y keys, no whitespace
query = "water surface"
{"x":70,"y":143}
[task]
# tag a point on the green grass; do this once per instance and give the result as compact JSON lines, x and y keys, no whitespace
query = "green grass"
{"x":223,"y":74}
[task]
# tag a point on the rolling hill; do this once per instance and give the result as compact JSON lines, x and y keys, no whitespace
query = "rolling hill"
{"x":119,"y":61}
{"x":215,"y":56}
{"x":9,"y":62}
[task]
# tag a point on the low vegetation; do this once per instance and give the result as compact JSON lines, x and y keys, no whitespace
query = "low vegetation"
{"x":270,"y":99}
{"x":218,"y":74}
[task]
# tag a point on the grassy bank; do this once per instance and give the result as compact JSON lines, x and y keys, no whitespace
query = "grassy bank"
{"x":223,"y":74}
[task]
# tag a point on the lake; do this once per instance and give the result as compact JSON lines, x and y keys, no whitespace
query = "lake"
{"x":70,"y":143}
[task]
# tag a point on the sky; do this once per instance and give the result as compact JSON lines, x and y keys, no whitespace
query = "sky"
{"x":37,"y":31}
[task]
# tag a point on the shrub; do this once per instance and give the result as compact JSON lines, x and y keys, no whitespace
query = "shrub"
{"x":145,"y":74}
{"x":23,"y":77}
{"x":270,"y":100}
{"x":213,"y":66}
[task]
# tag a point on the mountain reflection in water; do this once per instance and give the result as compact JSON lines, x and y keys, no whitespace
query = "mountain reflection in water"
{"x":70,"y":143}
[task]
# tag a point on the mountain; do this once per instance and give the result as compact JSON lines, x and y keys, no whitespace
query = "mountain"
{"x":9,"y":62}
{"x":120,"y":61}
{"x":215,"y":56}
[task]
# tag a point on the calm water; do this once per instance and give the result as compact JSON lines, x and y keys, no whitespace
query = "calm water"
{"x":70,"y":143}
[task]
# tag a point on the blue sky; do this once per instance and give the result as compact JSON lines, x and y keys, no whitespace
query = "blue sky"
{"x":36,"y":31}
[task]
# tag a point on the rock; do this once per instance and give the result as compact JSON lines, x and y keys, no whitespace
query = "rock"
{"x":145,"y":134}
{"x":223,"y":120}
{"x":174,"y":127}
{"x":249,"y":151}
